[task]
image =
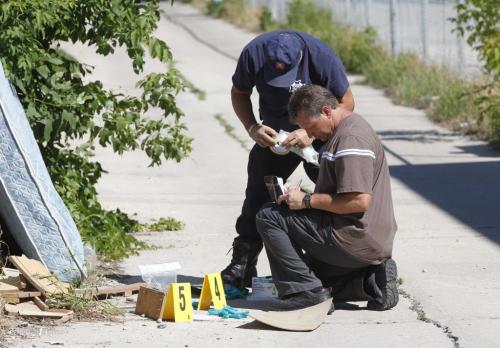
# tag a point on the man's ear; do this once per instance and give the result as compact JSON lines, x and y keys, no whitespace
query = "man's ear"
{"x":327,"y":110}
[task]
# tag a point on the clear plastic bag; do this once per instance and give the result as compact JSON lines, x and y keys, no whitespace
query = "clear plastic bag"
{"x":308,"y":153}
{"x":160,"y":276}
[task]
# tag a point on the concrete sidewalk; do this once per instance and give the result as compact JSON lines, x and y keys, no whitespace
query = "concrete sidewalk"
{"x":446,"y":194}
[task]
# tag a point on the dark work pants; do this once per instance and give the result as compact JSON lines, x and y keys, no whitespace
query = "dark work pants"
{"x":301,"y":250}
{"x":263,"y":162}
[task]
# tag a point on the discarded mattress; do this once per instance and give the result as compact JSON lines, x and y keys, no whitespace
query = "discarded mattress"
{"x":30,"y":208}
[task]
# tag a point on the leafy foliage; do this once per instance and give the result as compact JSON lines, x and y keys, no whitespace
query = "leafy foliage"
{"x":478,"y":20}
{"x":70,"y":115}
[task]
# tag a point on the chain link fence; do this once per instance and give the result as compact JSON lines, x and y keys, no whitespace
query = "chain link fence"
{"x":419,"y":26}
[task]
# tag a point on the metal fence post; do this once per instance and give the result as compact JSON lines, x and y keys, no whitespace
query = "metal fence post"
{"x":392,"y":10}
{"x":423,"y":24}
{"x":368,"y":9}
{"x":461,"y":57}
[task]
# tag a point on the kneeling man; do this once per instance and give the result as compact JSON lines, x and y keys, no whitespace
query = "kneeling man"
{"x":338,"y":240}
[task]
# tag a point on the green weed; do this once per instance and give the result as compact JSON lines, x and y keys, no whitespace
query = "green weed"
{"x":229,"y":130}
{"x":163,"y":224}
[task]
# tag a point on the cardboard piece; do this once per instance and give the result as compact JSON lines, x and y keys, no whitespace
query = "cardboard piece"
{"x":305,"y":319}
{"x":150,"y":302}
{"x":30,"y":309}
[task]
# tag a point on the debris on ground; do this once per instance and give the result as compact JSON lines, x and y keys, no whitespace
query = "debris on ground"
{"x":30,"y":291}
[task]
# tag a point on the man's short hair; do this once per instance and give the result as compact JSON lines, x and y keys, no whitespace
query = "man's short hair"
{"x":309,"y":100}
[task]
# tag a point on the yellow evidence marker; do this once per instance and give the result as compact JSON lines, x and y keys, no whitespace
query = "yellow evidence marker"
{"x":212,"y":290}
{"x":179,"y":306}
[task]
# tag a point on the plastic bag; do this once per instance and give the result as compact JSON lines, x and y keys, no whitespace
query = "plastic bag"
{"x":160,"y":276}
{"x":308,"y":153}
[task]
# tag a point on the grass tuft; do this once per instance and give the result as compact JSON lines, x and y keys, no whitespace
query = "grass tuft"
{"x":163,"y":224}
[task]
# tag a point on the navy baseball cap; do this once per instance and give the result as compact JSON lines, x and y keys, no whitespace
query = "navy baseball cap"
{"x":285,"y":48}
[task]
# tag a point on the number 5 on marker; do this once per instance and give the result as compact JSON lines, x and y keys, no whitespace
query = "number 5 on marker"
{"x":212,"y":290}
{"x":179,"y":306}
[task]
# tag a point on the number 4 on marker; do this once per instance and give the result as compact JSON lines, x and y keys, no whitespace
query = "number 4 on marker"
{"x":212,"y":290}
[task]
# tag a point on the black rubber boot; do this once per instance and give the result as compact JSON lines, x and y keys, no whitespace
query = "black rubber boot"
{"x":300,"y":300}
{"x":243,"y":263}
{"x":386,"y":279}
{"x":353,"y":287}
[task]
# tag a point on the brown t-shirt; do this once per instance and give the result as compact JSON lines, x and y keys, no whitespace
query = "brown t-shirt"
{"x":353,"y":160}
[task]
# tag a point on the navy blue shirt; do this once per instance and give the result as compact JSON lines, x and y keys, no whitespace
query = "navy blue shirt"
{"x":319,"y":65}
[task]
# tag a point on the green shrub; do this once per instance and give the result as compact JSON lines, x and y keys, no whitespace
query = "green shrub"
{"x":304,"y":16}
{"x":70,"y":114}
{"x":216,"y":8}
{"x":266,"y":21}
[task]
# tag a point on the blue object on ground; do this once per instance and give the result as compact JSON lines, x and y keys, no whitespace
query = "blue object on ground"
{"x":232,"y":292}
{"x":30,"y":207}
{"x":228,"y":312}
{"x":195,"y":302}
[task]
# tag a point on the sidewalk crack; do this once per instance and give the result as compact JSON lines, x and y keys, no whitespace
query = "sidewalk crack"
{"x":417,"y":307}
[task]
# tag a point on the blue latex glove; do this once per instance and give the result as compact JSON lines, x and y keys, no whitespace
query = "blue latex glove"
{"x":232,"y":292}
{"x":228,"y":312}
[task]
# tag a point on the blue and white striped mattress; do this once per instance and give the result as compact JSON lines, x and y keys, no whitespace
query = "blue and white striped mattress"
{"x":30,"y":208}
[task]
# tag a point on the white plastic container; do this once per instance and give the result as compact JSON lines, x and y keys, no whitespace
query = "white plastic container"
{"x":263,"y":288}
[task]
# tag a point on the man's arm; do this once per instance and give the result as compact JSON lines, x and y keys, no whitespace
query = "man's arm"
{"x":347,"y":101}
{"x":242,"y":105}
{"x":343,"y":203}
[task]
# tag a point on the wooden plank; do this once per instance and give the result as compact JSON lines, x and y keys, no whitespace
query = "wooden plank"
{"x":40,"y":304}
{"x":126,"y":290}
{"x":150,"y":302}
{"x":15,"y":297}
{"x":9,"y":280}
{"x":9,"y":272}
{"x":38,"y":275}
{"x":6,"y":288}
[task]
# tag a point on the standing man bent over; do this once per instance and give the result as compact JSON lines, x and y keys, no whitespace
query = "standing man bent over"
{"x":342,"y":234}
{"x":275,"y":63}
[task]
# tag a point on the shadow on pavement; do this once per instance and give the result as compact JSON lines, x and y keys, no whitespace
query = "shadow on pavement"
{"x":256,"y":325}
{"x":470,"y":192}
{"x":428,"y":136}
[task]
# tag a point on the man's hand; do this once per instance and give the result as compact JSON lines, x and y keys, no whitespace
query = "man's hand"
{"x":298,"y":138}
{"x":263,"y":135}
{"x":294,"y":198}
